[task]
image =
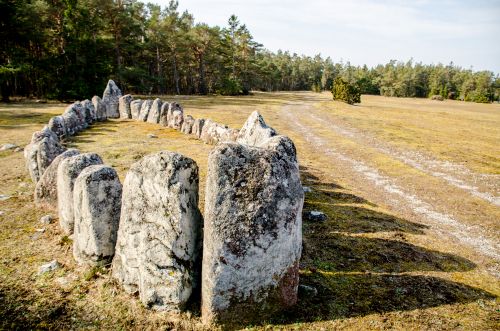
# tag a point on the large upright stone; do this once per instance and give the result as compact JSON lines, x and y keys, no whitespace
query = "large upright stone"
{"x":39,"y":153}
{"x":164,"y":114}
{"x":100,"y":108}
{"x":187,"y":125}
{"x":159,"y":238}
{"x":255,"y":132}
{"x":197,"y":127}
{"x":110,"y":99}
{"x":135,"y":108}
{"x":124,"y":106}
{"x":89,"y":111}
{"x":46,"y":188}
{"x":154,"y":113}
{"x":57,"y":125}
{"x":252,"y":231}
{"x":67,"y":172}
{"x":175,"y":115}
{"x":74,"y":118}
{"x":96,"y":200}
{"x":145,"y":109}
{"x":212,"y":133}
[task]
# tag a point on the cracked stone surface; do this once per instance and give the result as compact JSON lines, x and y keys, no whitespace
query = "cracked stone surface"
{"x":110,"y":99}
{"x":67,"y":172}
{"x":252,"y":231}
{"x":46,"y":187}
{"x":163,"y":121}
{"x":197,"y":127}
{"x":124,"y":106}
{"x":154,"y":113}
{"x":135,"y":108}
{"x":100,"y":108}
{"x":41,"y":151}
{"x":57,"y":125}
{"x":145,"y":109}
{"x":159,"y":238}
{"x":255,"y":132}
{"x":187,"y":125}
{"x":213,"y":133}
{"x":97,"y":201}
{"x":175,"y":115}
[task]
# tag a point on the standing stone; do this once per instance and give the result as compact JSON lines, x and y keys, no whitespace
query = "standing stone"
{"x":56,"y":125}
{"x":89,"y":110}
{"x":154,"y":113}
{"x":39,"y":153}
{"x":135,"y":108}
{"x":187,"y":125}
{"x":46,"y":188}
{"x":253,"y":231}
{"x":110,"y":99}
{"x":74,"y":118}
{"x":124,"y":106}
{"x":67,"y":172}
{"x":197,"y":127}
{"x":174,"y":112}
{"x":100,"y":108}
{"x":213,"y":133}
{"x":80,"y":112}
{"x":97,"y":201}
{"x":145,"y":109}
{"x":255,"y":131}
{"x":159,"y":238}
{"x":164,"y":114}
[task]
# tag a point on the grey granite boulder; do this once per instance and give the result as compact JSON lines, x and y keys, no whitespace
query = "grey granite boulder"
{"x":163,"y":121}
{"x":74,"y":118}
{"x":67,"y":172}
{"x":175,"y":115}
{"x":212,"y":133}
{"x":39,"y":153}
{"x":197,"y":127}
{"x":89,"y":111}
{"x":159,"y":238}
{"x":124,"y":106}
{"x":187,"y":124}
{"x":96,"y":201}
{"x":46,"y":187}
{"x":57,"y":125}
{"x":253,"y":232}
{"x":135,"y":108}
{"x":255,"y":132}
{"x":110,"y":99}
{"x":100,"y":109}
{"x":154,"y":113}
{"x":145,"y":109}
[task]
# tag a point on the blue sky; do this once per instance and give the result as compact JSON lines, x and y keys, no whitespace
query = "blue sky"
{"x":368,"y":32}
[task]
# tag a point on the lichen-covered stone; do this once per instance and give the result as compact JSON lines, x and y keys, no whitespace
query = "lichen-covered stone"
{"x":124,"y":106}
{"x":46,"y":187}
{"x":100,"y":109}
{"x":145,"y":109}
{"x":135,"y":108}
{"x":67,"y":172}
{"x":57,"y":125}
{"x":96,"y":200}
{"x":154,"y":113}
{"x":175,"y":115}
{"x":252,"y":234}
{"x":159,"y":238}
{"x":255,"y":132}
{"x":110,"y":99}
{"x":74,"y":118}
{"x":163,"y":121}
{"x":187,"y":125}
{"x":39,"y":153}
{"x":197,"y":127}
{"x":212,"y":133}
{"x":89,"y":111}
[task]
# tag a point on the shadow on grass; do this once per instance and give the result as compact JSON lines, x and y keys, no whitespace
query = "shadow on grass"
{"x":12,"y":119}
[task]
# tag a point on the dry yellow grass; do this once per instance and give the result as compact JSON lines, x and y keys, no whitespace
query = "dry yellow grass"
{"x":375,"y":266}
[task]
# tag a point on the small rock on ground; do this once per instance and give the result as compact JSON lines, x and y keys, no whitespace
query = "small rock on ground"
{"x":47,"y":219}
{"x":316,"y":216}
{"x":4,"y":197}
{"x":306,"y":189}
{"x":151,"y":135}
{"x":48,"y":267}
{"x":306,"y":291}
{"x":7,"y":147}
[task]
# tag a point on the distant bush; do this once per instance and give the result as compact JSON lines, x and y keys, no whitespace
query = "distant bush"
{"x":343,"y":91}
{"x":437,"y":97}
{"x":231,"y":86}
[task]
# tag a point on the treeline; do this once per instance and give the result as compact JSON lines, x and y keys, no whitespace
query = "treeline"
{"x":65,"y":49}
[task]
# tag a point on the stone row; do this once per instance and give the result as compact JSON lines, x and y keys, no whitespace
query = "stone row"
{"x":243,"y":257}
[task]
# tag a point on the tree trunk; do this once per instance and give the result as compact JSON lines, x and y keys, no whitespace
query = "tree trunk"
{"x":176,"y":75}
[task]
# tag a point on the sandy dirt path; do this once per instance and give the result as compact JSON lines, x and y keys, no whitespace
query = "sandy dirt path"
{"x":400,"y":198}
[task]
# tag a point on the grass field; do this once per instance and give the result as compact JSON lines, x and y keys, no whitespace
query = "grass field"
{"x":411,"y":188}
